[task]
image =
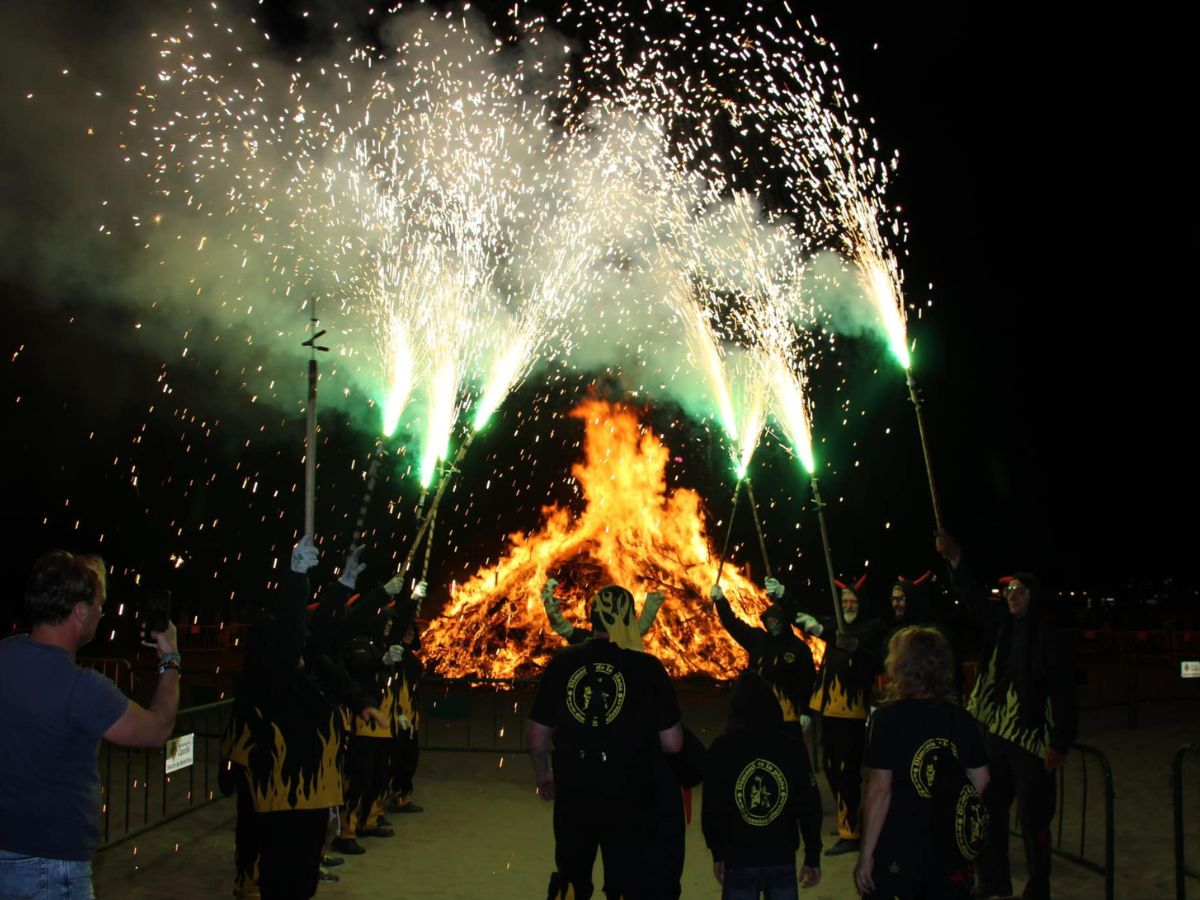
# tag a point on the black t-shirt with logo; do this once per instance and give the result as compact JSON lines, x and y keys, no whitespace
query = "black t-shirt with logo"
{"x":606,"y":706}
{"x":904,"y":737}
{"x":759,"y":797}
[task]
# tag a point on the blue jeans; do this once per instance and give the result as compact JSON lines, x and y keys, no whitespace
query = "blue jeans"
{"x":23,"y":877}
{"x":771,"y":882}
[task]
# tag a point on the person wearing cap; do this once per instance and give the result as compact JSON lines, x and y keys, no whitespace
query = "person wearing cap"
{"x":54,"y":713}
{"x":775,"y":652}
{"x":611,"y":713}
{"x":1024,"y":697}
{"x":842,"y":697}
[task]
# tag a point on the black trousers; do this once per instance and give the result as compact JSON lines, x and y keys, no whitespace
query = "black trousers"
{"x":247,"y":844}
{"x":663,"y":854}
{"x":366,"y":780}
{"x":843,"y":742}
{"x":292,"y":843}
{"x":619,"y":826}
{"x":405,"y":754}
{"x":1017,"y":773}
{"x":907,"y":868}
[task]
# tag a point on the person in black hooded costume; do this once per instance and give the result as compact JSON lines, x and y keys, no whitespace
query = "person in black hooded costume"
{"x":842,"y":697}
{"x":1025,"y":699}
{"x":776,"y":653}
{"x":406,"y":750}
{"x":912,"y":602}
{"x":612,"y":713}
{"x":368,"y":644}
{"x":281,"y":749}
{"x":760,"y":797}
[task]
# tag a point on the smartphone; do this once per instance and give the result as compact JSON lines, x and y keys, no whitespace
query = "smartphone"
{"x":157,"y":614}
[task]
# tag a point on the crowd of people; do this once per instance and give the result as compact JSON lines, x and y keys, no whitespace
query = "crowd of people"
{"x":609,"y":747}
{"x":323,"y":739}
{"x":322,"y":743}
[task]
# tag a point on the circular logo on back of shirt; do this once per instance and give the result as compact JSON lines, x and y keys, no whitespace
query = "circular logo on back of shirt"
{"x":970,"y":823}
{"x":922,"y":769}
{"x":595,"y":694}
{"x":761,"y":792}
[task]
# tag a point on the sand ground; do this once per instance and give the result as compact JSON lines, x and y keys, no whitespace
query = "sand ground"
{"x":484,"y":832}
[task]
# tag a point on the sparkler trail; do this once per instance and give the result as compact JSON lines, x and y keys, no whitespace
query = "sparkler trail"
{"x":470,"y":204}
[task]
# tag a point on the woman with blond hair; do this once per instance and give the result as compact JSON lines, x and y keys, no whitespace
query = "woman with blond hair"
{"x":922,"y":733}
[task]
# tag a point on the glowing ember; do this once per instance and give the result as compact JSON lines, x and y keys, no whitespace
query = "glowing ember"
{"x":632,"y":532}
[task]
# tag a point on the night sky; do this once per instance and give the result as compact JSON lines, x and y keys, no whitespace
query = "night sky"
{"x":1048,"y":197}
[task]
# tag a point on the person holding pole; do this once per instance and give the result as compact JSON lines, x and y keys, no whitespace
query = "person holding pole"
{"x":1024,"y":697}
{"x":775,"y":651}
{"x":368,"y":644}
{"x":842,"y":698}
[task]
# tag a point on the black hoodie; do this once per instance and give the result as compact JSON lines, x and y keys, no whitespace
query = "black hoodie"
{"x":759,"y":790}
{"x":783,"y":659}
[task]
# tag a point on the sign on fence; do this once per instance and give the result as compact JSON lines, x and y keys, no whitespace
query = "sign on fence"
{"x":1189,"y":668}
{"x":179,"y":752}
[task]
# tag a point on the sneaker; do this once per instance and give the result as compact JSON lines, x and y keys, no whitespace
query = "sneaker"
{"x":331,"y":862}
{"x":378,"y":831}
{"x":383,"y":822}
{"x":409,"y":808}
{"x":347,"y":846}
{"x":844,"y":845}
{"x":326,"y":877}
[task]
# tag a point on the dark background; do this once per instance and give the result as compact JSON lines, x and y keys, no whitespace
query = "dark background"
{"x":1044,"y":179}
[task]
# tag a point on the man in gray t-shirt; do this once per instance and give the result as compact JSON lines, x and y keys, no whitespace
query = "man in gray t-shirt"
{"x":55,"y":714}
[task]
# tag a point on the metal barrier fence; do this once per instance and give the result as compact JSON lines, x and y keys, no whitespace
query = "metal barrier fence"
{"x":118,"y":671}
{"x":138,"y":794}
{"x":458,"y":715}
{"x":1128,"y":669}
{"x":1107,"y":867}
{"x":1182,"y":870}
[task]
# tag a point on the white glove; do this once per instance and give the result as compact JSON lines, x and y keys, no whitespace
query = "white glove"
{"x":420,"y":591}
{"x":805,"y":723}
{"x":809,"y":624}
{"x":716,"y":593}
{"x":304,"y":555}
{"x":773,"y":587}
{"x":405,"y":725}
{"x":394,"y":654}
{"x":394,"y":585}
{"x":352,"y":567}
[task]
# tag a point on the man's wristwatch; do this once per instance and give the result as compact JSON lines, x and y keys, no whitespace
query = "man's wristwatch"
{"x":170,"y":661}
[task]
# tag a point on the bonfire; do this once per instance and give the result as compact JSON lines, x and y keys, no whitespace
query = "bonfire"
{"x":632,"y":531}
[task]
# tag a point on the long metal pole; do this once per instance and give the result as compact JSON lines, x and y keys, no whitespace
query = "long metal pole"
{"x":372,"y":476}
{"x":429,"y":544}
{"x":833,"y":588}
{"x":448,"y":471}
{"x":762,"y":541}
{"x":310,"y":453}
{"x":916,"y":401}
{"x":737,"y":492}
{"x":310,"y":436}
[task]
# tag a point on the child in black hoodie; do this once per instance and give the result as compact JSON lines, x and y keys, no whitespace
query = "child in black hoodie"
{"x":759,"y":797}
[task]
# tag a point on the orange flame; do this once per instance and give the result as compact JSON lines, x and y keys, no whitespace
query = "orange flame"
{"x":632,"y":532}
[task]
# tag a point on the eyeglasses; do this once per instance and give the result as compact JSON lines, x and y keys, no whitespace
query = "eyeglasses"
{"x":1012,"y":587}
